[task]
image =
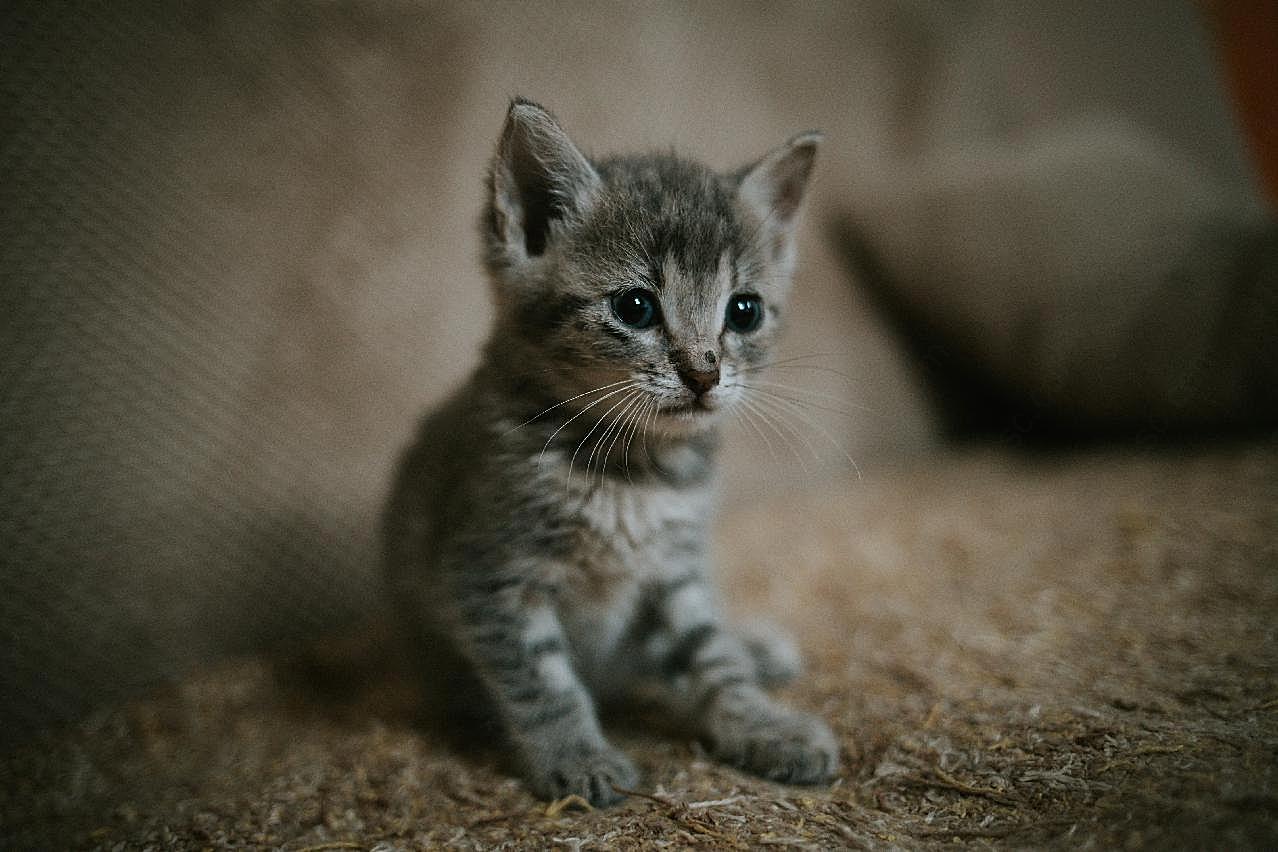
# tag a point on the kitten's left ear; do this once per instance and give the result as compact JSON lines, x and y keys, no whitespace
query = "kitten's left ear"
{"x":773,"y":189}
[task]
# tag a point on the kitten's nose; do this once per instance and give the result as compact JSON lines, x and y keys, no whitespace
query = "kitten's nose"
{"x":700,"y":381}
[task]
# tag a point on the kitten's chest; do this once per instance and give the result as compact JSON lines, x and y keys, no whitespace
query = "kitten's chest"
{"x":625,"y":532}
{"x":626,"y":537}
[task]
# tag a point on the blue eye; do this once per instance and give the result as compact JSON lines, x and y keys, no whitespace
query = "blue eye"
{"x":636,"y":308}
{"x":744,"y":313}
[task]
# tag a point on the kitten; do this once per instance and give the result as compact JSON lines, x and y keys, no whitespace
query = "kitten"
{"x":547,"y":534}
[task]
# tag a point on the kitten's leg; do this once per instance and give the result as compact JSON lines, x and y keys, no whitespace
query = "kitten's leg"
{"x":715,"y":681}
{"x":520,"y":654}
{"x":777,"y":660}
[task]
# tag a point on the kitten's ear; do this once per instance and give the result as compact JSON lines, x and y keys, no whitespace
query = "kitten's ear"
{"x":773,"y":189}
{"x":538,"y":177}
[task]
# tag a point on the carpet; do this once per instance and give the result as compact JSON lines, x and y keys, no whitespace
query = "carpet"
{"x":1060,"y":650}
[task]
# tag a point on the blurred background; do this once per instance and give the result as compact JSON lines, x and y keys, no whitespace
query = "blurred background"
{"x":238,"y":260}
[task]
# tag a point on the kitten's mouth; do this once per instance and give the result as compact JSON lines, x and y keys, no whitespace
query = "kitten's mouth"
{"x":699,"y":407}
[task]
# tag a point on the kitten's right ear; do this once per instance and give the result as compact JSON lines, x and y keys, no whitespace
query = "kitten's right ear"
{"x":538,"y":177}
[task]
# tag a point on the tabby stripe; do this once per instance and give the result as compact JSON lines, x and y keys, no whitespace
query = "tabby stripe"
{"x":703,"y":667}
{"x":545,"y":647}
{"x":550,"y":312}
{"x":551,"y":713}
{"x":493,"y":585}
{"x":675,"y":584}
{"x":686,"y":650}
{"x":510,"y":659}
{"x":647,"y":621}
{"x":687,"y":547}
{"x":503,"y":663}
{"x":714,"y":692}
{"x":506,"y":634}
{"x":529,"y":693}
{"x":618,"y":334}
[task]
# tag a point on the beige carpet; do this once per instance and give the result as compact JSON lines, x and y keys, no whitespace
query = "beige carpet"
{"x":1074,"y":651}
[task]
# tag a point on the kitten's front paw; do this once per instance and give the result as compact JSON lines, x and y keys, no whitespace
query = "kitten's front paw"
{"x":776,"y":743}
{"x":587,"y":771}
{"x":777,"y":660}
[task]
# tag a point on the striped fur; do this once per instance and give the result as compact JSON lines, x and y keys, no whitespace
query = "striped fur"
{"x":547,"y":529}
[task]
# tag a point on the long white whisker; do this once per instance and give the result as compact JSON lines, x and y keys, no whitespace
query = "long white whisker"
{"x":581,"y":443}
{"x":796,"y":409}
{"x":634,"y":427}
{"x":809,"y":356}
{"x":614,"y":429}
{"x":620,"y":407}
{"x":563,"y":402}
{"x":623,"y":405}
{"x":786,"y":417}
{"x":747,"y":416}
{"x":769,"y":410}
{"x":628,"y":430}
{"x":760,"y":388}
{"x":629,"y":433}
{"x":611,"y":393}
{"x":814,"y":367}
{"x":652,"y":421}
{"x":833,"y":397}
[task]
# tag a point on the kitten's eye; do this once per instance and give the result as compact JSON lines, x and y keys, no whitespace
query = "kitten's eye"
{"x":744,"y":313}
{"x":636,"y":307}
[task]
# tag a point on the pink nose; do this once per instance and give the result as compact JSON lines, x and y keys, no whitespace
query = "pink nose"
{"x":700,"y":381}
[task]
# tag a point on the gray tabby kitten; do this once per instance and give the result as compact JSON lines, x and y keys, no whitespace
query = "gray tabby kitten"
{"x":546,"y":537}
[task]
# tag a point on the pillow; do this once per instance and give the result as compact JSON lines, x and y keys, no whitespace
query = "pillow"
{"x":1086,"y":281}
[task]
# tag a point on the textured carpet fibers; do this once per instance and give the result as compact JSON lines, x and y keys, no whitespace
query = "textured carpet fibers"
{"x":1073,"y":651}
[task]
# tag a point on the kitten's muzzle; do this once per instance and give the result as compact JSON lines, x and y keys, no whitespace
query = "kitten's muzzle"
{"x":698,"y":369}
{"x":700,"y":382}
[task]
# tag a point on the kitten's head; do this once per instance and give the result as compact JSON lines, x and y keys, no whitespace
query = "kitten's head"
{"x":651,"y":281}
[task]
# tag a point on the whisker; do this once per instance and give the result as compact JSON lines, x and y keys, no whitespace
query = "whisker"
{"x":611,"y":393}
{"x":651,"y":422}
{"x":618,"y":426}
{"x":591,"y":432}
{"x":773,"y":411}
{"x":833,"y":397}
{"x":620,"y":407}
{"x":748,"y":415}
{"x":634,"y":427}
{"x":818,"y":368}
{"x":603,"y":433}
{"x":563,"y":402}
{"x":807,"y":357}
{"x":796,"y":410}
{"x":779,"y":422}
{"x":758,"y":388}
{"x":595,"y":426}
